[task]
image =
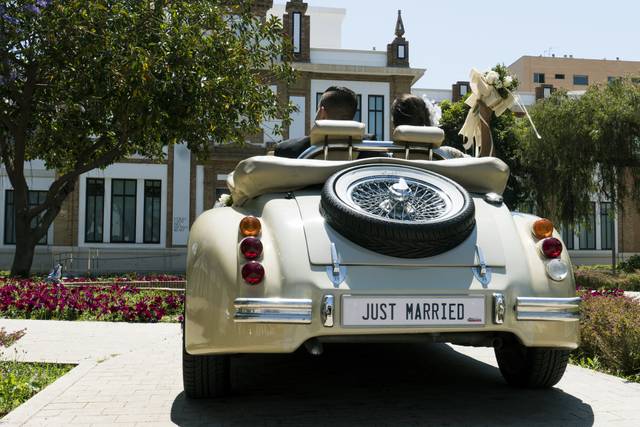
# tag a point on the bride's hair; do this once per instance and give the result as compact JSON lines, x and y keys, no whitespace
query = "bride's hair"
{"x":409,"y":109}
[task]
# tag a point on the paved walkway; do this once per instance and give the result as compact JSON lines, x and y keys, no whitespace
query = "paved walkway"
{"x":129,"y":374}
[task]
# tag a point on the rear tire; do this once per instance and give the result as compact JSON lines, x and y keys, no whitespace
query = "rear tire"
{"x":205,"y":376}
{"x":531,"y":367}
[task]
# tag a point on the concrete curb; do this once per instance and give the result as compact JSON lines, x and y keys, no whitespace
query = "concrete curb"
{"x":22,"y":413}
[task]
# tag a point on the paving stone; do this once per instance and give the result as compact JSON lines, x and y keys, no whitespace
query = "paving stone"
{"x":377,"y":385}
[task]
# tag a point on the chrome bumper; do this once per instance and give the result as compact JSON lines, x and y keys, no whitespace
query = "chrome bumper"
{"x":272,"y":310}
{"x":562,"y":309}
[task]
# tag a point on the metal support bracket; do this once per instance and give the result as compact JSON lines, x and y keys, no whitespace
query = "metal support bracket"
{"x":481,"y":271}
{"x":499,"y":308}
{"x":326,"y":310}
{"x":335,"y":271}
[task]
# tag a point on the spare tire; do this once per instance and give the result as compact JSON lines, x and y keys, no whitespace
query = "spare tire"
{"x":398,"y":210}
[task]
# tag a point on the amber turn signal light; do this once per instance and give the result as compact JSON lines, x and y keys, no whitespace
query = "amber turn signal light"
{"x":542,"y":228}
{"x":250,"y":226}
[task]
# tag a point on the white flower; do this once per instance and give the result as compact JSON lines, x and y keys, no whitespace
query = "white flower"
{"x":508,"y":81}
{"x":225,"y":200}
{"x":498,"y":83}
{"x":491,"y":77}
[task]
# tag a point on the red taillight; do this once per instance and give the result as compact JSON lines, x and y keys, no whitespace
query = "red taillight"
{"x":251,"y":247}
{"x":551,"y":247}
{"x":253,"y":272}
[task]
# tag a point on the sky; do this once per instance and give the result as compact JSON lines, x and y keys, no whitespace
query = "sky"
{"x":449,"y":37}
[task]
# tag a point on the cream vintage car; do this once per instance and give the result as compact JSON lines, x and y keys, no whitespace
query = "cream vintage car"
{"x":404,"y":245}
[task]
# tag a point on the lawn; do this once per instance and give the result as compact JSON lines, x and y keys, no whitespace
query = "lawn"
{"x":19,"y":381}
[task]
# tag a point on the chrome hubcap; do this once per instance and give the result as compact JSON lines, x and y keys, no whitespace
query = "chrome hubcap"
{"x":398,"y":198}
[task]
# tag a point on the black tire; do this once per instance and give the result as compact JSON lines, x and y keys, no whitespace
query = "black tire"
{"x":531,"y":367}
{"x":205,"y":376}
{"x":397,"y":238}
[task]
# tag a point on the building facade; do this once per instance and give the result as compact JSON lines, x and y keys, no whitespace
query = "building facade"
{"x":135,"y":215}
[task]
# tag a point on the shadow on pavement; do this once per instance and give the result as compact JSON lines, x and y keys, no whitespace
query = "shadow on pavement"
{"x":399,"y":384}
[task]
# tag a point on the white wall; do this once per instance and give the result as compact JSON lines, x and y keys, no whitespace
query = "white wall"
{"x":367,"y":58}
{"x":181,"y":191}
{"x":359,"y":87}
{"x":326,"y":24}
{"x":136,"y":171}
{"x":297,"y":127}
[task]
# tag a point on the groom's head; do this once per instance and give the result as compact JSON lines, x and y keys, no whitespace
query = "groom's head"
{"x":337,"y":103}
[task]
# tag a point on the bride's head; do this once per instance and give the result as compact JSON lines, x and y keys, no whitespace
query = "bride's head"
{"x":409,"y":109}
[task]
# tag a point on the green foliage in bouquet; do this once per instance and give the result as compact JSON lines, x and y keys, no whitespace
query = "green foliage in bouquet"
{"x":504,"y":82}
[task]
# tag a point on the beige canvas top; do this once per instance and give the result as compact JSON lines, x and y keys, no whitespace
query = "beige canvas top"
{"x":268,"y":174}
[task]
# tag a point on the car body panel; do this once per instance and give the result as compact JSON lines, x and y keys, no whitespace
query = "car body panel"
{"x":296,"y":257}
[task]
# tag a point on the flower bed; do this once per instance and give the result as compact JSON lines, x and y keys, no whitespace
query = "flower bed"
{"x":609,"y":333}
{"x":38,"y":300}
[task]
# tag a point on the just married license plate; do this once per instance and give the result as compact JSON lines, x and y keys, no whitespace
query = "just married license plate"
{"x":412,"y":310}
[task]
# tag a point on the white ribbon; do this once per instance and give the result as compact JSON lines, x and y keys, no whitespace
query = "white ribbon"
{"x":483,"y":91}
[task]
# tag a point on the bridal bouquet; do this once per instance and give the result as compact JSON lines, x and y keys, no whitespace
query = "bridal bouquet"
{"x":495,"y":89}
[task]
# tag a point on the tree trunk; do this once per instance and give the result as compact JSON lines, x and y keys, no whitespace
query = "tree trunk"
{"x":25,"y":247}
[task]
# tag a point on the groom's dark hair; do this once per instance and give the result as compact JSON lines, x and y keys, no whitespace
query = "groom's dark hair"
{"x":339,"y":102}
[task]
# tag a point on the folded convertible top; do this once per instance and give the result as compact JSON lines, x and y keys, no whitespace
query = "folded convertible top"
{"x":268,"y":174}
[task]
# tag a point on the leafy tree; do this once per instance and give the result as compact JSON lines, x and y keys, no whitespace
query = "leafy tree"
{"x":504,"y":131}
{"x":86,"y":83}
{"x":590,"y":146}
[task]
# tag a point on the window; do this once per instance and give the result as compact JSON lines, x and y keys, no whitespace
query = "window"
{"x":538,"y":77}
{"x":123,"y":211}
{"x":35,"y":198}
{"x":152,"y":197}
{"x":566,"y":232}
{"x":463,"y":90}
{"x":611,"y":79}
{"x":94,"y":211}
{"x":546,"y":92}
{"x":606,"y":225}
{"x":559,"y":76}
{"x":580,"y":80}
{"x":587,"y":233}
{"x":358,"y":116}
{"x":402,"y":52}
{"x":376,"y":116}
{"x":297,"y":31}
{"x":318,"y":98}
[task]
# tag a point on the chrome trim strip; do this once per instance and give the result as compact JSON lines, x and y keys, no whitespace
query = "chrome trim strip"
{"x":272,"y":303}
{"x":273,"y":310}
{"x":558,"y":309}
{"x":550,"y":303}
{"x":559,"y":316}
{"x":300,"y":318}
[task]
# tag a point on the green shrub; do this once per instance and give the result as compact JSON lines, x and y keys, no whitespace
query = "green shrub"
{"x":605,"y":279}
{"x":610,"y":334}
{"x":631,"y":265}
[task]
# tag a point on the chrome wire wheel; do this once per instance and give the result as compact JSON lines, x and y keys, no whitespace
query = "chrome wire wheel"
{"x":400,"y":194}
{"x":398,"y":210}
